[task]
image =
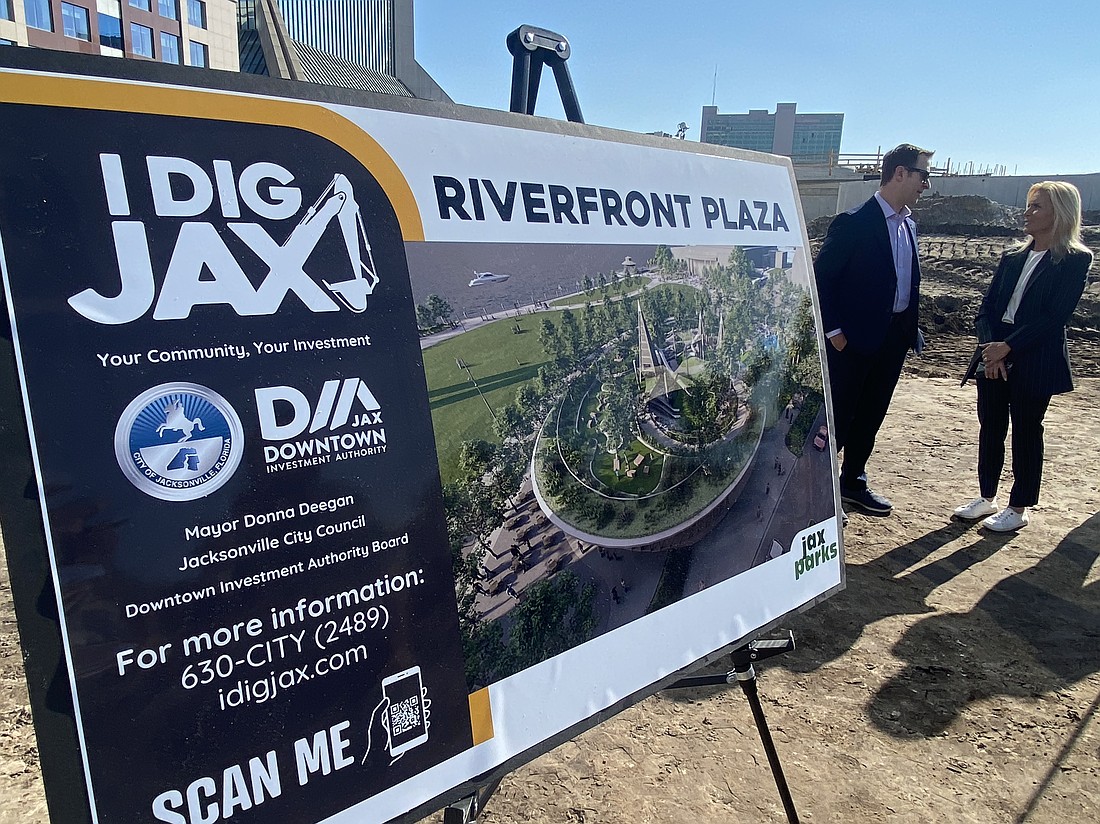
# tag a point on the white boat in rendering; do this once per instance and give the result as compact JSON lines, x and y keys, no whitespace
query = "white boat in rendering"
{"x":481,"y":278}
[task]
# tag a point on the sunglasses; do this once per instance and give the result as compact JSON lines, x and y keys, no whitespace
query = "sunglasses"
{"x":924,"y":173}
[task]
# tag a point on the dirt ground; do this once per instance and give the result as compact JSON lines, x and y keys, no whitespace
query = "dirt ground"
{"x":956,"y":679}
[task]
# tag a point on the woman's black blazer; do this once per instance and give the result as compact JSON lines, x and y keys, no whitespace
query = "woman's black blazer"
{"x":1039,"y":358}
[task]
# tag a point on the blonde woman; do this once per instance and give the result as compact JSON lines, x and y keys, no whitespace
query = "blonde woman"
{"x":1022,"y":360}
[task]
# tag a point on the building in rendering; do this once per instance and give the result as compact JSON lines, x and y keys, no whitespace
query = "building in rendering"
{"x":358,"y":44}
{"x":200,"y":33}
{"x":805,"y":138}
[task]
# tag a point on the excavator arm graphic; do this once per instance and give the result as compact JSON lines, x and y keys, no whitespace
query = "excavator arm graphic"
{"x":338,"y":200}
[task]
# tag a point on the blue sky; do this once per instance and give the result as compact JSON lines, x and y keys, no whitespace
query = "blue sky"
{"x":990,"y":81}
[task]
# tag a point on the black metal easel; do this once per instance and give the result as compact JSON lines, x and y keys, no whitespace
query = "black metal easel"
{"x":532,"y":48}
{"x":745,"y":675}
{"x":467,"y":810}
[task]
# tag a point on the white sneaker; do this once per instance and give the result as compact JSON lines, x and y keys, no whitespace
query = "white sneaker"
{"x":978,"y":508}
{"x":1007,"y":520}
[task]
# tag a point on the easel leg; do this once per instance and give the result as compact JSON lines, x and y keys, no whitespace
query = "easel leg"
{"x":745,"y":675}
{"x":747,"y":679}
{"x":467,"y":810}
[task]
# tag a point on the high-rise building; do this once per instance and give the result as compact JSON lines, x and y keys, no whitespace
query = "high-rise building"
{"x":805,"y":138}
{"x":200,"y":33}
{"x":359,"y":44}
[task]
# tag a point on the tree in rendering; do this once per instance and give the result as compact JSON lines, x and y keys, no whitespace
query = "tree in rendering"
{"x":424,"y":317}
{"x":440,"y":308}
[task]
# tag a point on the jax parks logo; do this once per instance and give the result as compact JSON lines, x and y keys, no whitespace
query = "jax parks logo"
{"x":215,"y":261}
{"x":818,"y":545}
{"x":179,"y":441}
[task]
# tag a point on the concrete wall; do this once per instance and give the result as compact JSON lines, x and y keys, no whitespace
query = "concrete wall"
{"x":819,"y":187}
{"x":819,"y":197}
{"x":783,"y":138}
{"x":1008,"y":190}
{"x":406,"y":69}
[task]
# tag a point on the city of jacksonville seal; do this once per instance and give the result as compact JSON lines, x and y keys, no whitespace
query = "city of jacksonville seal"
{"x":179,"y":441}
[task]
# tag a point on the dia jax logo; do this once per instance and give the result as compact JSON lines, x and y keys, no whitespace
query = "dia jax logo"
{"x":179,"y":441}
{"x":286,"y":414}
{"x":816,"y":550}
{"x":203,"y":270}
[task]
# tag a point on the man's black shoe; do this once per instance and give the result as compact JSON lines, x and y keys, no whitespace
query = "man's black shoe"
{"x":867,"y":501}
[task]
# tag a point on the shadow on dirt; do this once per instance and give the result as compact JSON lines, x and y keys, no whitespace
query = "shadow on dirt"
{"x":882,"y":588}
{"x":1033,"y":632}
{"x":875,"y":590}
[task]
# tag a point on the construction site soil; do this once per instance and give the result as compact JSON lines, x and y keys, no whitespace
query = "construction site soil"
{"x":956,"y":679}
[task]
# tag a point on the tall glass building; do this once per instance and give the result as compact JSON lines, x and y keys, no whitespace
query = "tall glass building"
{"x":805,"y":138}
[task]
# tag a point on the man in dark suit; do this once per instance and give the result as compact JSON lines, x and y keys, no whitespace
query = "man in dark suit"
{"x":868,"y":281}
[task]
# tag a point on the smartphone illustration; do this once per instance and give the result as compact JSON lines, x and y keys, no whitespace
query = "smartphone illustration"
{"x":406,"y":717}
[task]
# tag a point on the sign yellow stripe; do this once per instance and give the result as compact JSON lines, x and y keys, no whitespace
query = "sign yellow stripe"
{"x":481,"y":716}
{"x":83,"y":93}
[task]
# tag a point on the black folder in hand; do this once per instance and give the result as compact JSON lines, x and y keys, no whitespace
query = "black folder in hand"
{"x":975,"y":366}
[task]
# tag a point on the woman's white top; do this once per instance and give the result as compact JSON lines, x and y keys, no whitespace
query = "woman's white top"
{"x":1032,"y":261}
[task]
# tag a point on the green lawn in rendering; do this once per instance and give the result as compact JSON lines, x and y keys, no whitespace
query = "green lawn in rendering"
{"x":643,"y":482}
{"x":603,"y":462}
{"x":500,"y":360}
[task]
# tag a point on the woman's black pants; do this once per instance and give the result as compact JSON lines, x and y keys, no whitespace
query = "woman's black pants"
{"x":999,"y":402}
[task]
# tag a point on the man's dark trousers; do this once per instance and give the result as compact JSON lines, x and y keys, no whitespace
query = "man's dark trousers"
{"x":862,"y":384}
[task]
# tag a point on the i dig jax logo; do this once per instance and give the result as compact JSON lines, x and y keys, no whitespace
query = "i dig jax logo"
{"x":203,"y":270}
{"x":179,"y":441}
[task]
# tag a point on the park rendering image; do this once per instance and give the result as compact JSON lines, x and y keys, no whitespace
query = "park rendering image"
{"x":648,"y":434}
{"x":610,"y":451}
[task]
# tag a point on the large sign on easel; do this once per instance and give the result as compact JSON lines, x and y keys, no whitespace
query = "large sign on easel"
{"x":269,"y":606}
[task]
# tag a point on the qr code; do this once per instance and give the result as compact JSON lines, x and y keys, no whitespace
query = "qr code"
{"x":405,"y":715}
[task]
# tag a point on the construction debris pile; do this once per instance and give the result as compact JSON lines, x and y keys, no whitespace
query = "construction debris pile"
{"x":966,"y":215}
